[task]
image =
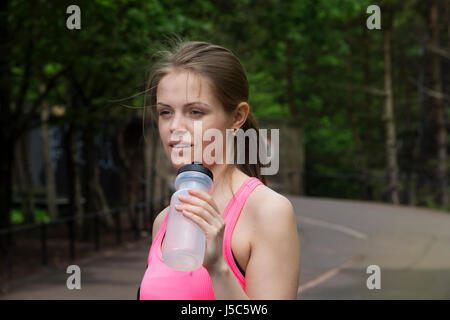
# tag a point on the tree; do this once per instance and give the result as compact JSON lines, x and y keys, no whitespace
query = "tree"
{"x":24,"y":48}
{"x":388,"y":116}
{"x":439,"y":108}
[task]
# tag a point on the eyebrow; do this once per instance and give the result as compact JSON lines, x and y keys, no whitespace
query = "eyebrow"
{"x":186,"y":104}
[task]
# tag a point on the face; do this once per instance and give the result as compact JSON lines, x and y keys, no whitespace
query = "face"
{"x":184,"y":102}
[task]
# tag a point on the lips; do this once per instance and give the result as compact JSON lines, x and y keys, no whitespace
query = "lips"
{"x":180,"y":144}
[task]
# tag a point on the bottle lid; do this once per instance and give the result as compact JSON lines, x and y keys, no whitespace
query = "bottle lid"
{"x":196,"y":166}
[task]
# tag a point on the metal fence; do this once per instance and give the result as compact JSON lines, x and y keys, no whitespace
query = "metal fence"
{"x":65,"y":236}
{"x":60,"y":238}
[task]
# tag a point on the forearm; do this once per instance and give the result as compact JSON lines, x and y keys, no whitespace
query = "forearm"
{"x":226,"y":285}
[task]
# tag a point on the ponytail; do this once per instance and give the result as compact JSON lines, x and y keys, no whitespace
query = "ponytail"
{"x":252,"y":169}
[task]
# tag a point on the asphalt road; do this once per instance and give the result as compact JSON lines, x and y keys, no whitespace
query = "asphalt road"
{"x":339,"y":240}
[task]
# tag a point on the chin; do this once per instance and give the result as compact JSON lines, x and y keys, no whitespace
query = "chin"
{"x":177,"y":166}
{"x":181,"y":163}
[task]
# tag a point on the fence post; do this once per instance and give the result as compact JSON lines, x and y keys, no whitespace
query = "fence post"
{"x":163,"y":196}
{"x":71,"y":226}
{"x":96,"y":232}
{"x":150,"y":217}
{"x":10,"y":251}
{"x":44,"y":243}
{"x":118,"y":231}
{"x":136,"y":222}
{"x":144,"y":216}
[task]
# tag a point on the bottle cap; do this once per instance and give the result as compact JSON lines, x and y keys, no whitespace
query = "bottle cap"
{"x":196,"y":166}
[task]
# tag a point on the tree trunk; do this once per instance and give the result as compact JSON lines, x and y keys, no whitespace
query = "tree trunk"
{"x":95,"y":199}
{"x":48,"y":166}
{"x":367,"y":191}
{"x":301,"y":160}
{"x":416,"y":178}
{"x":389,"y":119}
{"x":151,"y":149}
{"x":359,"y":162}
{"x":74,"y":177}
{"x":79,"y":209}
{"x":147,"y":174}
{"x":6,"y":161}
{"x":123,"y":164}
{"x":126,"y":175}
{"x":297,"y":185}
{"x":69,"y":152}
{"x":72,"y":158}
{"x":7,"y":138}
{"x":24,"y":178}
{"x":439,"y":114}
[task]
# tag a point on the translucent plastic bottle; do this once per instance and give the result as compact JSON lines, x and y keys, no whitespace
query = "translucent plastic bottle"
{"x":184,"y":242}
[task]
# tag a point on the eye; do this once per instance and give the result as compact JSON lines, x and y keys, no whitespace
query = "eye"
{"x":197,"y":112}
{"x":163,"y":112}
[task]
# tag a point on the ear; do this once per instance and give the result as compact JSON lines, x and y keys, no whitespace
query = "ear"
{"x":240,"y":114}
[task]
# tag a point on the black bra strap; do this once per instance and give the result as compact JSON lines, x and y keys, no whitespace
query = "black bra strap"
{"x":237,"y":264}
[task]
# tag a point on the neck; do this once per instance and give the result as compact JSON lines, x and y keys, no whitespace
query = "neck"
{"x":222,"y":176}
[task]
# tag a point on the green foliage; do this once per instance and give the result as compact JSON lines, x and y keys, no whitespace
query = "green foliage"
{"x":331,"y":50}
{"x":17,"y":216}
{"x":40,"y":216}
{"x":263,"y":101}
{"x":329,"y":145}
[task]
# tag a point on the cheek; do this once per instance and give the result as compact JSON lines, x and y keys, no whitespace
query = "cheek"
{"x":163,"y":136}
{"x":162,"y":133}
{"x":219,"y":123}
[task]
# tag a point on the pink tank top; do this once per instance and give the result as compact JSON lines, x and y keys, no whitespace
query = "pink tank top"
{"x":161,"y":282}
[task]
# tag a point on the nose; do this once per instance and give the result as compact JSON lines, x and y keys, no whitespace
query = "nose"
{"x":177,"y":125}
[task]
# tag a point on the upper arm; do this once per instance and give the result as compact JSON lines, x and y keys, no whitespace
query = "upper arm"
{"x":158,"y":221}
{"x":274,"y":265}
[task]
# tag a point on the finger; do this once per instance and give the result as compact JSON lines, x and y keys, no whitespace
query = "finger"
{"x":199,"y":211}
{"x":205,"y":197}
{"x":198,"y":220}
{"x":196,"y":201}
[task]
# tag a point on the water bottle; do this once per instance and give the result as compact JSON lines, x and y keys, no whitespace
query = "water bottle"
{"x":184,"y":242}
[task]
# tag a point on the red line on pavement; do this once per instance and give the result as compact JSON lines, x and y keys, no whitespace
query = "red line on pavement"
{"x":327,"y":275}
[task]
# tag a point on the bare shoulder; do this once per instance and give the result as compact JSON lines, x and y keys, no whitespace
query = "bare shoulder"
{"x":274,"y":264}
{"x":158,"y":221}
{"x":263,"y":201}
{"x":270,"y":211}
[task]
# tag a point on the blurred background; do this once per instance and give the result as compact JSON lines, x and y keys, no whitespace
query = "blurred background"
{"x":362,"y":113}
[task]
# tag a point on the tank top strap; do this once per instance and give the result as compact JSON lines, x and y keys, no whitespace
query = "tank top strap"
{"x":240,"y":197}
{"x":157,"y":240}
{"x":238,"y":200}
{"x":233,"y":213}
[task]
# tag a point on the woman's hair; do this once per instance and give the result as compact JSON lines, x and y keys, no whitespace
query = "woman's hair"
{"x":225,"y":72}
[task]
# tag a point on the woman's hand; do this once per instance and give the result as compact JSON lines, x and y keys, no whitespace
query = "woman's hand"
{"x":202,"y":210}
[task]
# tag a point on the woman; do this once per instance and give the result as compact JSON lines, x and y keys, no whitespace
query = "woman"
{"x":252,"y":245}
